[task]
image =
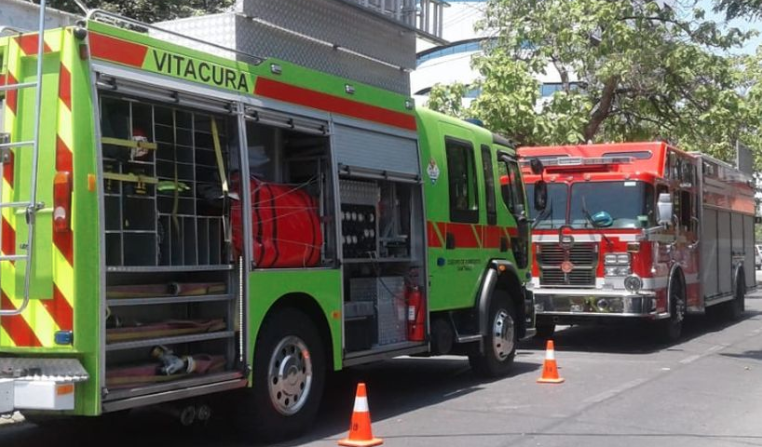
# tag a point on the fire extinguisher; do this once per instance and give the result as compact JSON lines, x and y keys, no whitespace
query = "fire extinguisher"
{"x":416,"y":315}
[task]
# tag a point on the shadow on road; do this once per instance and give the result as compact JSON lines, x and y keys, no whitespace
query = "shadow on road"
{"x":394,"y":388}
{"x":635,"y":338}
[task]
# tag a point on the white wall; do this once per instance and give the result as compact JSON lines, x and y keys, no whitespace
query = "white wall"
{"x":25,"y":16}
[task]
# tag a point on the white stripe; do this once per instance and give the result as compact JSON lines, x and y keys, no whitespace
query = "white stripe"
{"x":361,"y":405}
{"x":550,"y":354}
{"x":550,"y":238}
{"x":690,"y":359}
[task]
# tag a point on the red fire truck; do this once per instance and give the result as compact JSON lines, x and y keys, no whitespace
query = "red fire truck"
{"x":638,"y":231}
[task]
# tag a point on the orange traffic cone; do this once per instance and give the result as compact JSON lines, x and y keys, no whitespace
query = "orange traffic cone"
{"x":360,"y":433}
{"x":550,"y":369}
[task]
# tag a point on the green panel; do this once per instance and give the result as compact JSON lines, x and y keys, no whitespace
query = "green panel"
{"x":42,"y":257}
{"x":322,"y":285}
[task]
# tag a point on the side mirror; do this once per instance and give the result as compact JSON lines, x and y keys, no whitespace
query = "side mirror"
{"x":540,"y":195}
{"x":664,"y":209}
{"x":536,"y":165}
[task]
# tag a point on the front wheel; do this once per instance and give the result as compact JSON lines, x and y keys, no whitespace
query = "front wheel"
{"x":289,"y":375}
{"x":500,"y":341}
{"x":671,"y":329}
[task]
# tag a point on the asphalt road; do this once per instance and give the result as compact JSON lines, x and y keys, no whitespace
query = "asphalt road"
{"x":621,"y":389}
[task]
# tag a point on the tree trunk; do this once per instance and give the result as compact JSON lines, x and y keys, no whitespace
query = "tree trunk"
{"x":604,"y":108}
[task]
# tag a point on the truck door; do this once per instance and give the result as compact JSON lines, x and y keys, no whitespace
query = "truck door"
{"x":457,"y":261}
{"x":515,"y":200}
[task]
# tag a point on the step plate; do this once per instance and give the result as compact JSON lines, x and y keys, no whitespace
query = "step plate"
{"x":42,"y":370}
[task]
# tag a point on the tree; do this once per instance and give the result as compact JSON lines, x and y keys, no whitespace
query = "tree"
{"x":148,"y":10}
{"x":739,"y":8}
{"x":630,"y":70}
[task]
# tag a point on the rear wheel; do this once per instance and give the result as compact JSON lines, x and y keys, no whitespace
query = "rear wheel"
{"x":289,"y":375}
{"x":500,"y":341}
{"x":737,"y":306}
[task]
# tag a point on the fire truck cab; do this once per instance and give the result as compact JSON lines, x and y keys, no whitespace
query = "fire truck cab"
{"x":638,"y":231}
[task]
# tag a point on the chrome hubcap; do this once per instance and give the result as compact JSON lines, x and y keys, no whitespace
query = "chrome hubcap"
{"x":502,"y":335}
{"x":290,"y":375}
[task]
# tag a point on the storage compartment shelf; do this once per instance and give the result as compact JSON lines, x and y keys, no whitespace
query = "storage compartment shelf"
{"x":373,"y":261}
{"x":177,"y":268}
{"x":118,"y":346}
{"x":180,"y":383}
{"x":117,"y":302}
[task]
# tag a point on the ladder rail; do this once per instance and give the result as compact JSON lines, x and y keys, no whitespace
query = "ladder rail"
{"x":33,"y":206}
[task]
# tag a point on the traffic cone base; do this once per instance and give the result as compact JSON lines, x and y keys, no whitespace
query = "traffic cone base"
{"x":550,"y":368}
{"x":360,"y":432}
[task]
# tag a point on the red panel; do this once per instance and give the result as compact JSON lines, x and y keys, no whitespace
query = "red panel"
{"x":64,"y":241}
{"x":492,"y":236}
{"x":9,"y":238}
{"x":464,"y":235}
{"x":329,"y":103}
{"x":8,"y":169}
{"x":11,"y":96}
{"x":18,"y":329}
{"x":29,"y":42}
{"x":117,"y":50}
{"x":63,"y":156}
{"x":64,"y":86}
{"x":433,"y":238}
{"x":60,"y":310}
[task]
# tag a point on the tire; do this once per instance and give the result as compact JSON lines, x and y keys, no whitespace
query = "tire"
{"x":545,"y":330}
{"x":735,"y":308}
{"x":671,"y":329}
{"x":500,"y":342}
{"x":287,"y":384}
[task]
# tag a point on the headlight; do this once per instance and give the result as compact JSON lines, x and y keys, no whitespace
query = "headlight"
{"x":633,"y":283}
{"x":610,"y":259}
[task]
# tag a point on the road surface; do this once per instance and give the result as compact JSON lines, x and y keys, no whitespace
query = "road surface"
{"x":620,"y":389}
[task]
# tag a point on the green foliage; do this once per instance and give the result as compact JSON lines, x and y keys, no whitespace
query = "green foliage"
{"x":149,"y":10}
{"x":630,"y":71}
{"x":739,"y":8}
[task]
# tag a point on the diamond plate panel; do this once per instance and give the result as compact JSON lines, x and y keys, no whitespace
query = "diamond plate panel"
{"x":238,"y":32}
{"x":341,"y":24}
{"x":37,"y":369}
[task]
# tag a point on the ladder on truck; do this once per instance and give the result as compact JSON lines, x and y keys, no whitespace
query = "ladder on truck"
{"x":31,"y":206}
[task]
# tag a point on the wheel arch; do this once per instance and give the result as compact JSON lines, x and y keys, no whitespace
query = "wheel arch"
{"x":308,"y":305}
{"x":500,"y":275}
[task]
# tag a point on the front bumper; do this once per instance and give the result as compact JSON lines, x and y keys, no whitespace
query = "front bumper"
{"x":38,"y":383}
{"x":594,"y":303}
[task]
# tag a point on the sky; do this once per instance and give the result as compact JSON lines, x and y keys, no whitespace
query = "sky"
{"x":742,"y":24}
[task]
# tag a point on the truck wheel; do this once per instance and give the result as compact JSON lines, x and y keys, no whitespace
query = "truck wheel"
{"x":545,"y":330}
{"x":737,"y":306}
{"x":500,"y":342}
{"x":671,"y":329}
{"x":288,"y":378}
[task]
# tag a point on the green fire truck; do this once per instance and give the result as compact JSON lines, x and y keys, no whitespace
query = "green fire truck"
{"x":177,"y":224}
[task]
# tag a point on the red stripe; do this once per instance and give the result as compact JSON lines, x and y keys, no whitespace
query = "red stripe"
{"x":512,"y":231}
{"x":329,"y":103}
{"x":9,"y":238}
{"x":2,"y":80}
{"x":63,"y":156}
{"x":8,"y":169}
{"x":433,"y":237}
{"x":60,"y":310}
{"x":29,"y":43}
{"x":492,"y":237}
{"x":64,"y":242}
{"x":17,"y":327}
{"x":64,"y":86}
{"x":109,"y":48}
{"x":11,"y":96}
{"x":464,"y":235}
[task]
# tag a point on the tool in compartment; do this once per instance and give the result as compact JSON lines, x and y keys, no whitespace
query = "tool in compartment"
{"x":167,"y":289}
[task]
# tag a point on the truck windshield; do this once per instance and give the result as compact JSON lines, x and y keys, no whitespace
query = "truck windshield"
{"x":554,"y":214}
{"x":620,"y":204}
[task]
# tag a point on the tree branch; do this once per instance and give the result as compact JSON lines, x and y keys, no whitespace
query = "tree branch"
{"x":604,"y":108}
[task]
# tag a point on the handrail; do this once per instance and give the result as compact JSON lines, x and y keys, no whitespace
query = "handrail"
{"x":94,"y":14}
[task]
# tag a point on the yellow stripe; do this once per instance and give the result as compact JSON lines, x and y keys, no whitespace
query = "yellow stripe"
{"x":5,"y":339}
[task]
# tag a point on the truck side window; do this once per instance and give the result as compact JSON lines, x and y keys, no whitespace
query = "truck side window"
{"x":461,"y":170}
{"x":512,"y":187}
{"x":489,"y":184}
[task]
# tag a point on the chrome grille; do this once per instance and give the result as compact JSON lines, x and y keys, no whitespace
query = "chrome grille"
{"x":583,"y":256}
